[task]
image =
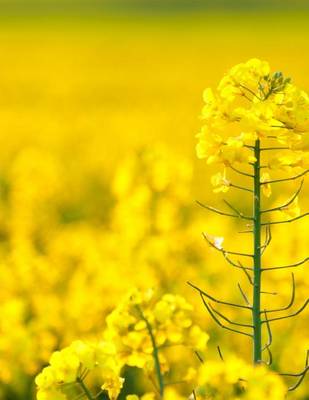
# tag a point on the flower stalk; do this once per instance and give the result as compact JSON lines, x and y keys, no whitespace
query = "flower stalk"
{"x":257,"y":270}
{"x":258,"y":105}
{"x":84,"y":388}
{"x":155,"y":353}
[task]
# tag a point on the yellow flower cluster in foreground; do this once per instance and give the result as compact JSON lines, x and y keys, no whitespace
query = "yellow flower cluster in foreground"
{"x":137,"y":333}
{"x":74,"y":362}
{"x":170,"y":320}
{"x":234,"y":379}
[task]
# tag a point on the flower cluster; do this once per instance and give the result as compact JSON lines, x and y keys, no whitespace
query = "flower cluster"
{"x":252,"y":103}
{"x":71,"y":366}
{"x":137,"y":331}
{"x":140,"y":323}
{"x":234,"y":380}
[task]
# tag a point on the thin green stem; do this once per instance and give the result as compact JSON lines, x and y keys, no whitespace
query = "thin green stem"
{"x":85,"y":389}
{"x":155,"y":352}
{"x":256,"y":308}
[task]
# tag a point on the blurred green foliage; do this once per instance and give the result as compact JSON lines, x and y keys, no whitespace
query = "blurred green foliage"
{"x":150,"y":5}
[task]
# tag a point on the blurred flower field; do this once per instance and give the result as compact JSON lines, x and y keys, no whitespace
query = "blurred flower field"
{"x":98,"y":181}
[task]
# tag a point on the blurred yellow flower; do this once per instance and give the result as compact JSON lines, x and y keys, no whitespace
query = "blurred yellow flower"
{"x":266,"y":188}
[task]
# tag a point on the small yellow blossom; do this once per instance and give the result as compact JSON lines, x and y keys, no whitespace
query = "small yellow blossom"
{"x":220,"y":183}
{"x":113,"y":385}
{"x":292,"y":210}
{"x":209,"y":146}
{"x":266,"y":188}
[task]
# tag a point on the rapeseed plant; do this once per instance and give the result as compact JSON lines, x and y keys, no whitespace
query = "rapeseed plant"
{"x":252,"y":114}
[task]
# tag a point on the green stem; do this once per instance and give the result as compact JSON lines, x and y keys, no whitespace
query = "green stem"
{"x":155,"y":353}
{"x":85,"y":389}
{"x":256,"y":308}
